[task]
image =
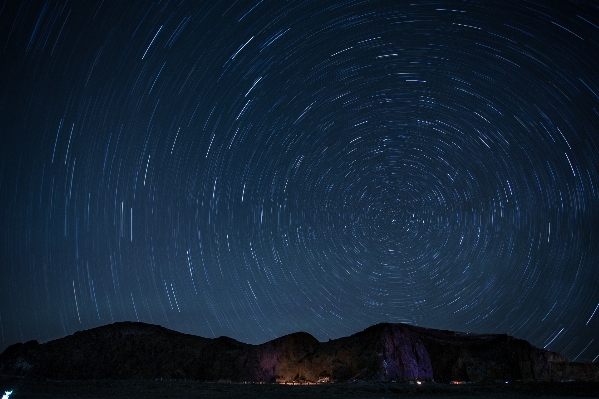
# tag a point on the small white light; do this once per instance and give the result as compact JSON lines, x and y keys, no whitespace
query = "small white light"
{"x":6,"y":394}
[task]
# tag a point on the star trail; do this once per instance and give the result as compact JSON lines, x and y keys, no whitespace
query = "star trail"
{"x":256,"y":168}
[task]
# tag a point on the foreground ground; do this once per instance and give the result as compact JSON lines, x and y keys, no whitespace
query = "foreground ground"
{"x":24,"y":388}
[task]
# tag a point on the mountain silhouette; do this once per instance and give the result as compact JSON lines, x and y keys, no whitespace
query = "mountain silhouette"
{"x":383,"y":352}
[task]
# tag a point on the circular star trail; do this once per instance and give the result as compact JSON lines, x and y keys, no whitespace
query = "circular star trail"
{"x":253,"y":169}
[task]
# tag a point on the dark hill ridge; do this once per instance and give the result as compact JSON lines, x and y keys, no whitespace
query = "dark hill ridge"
{"x":384,"y":351}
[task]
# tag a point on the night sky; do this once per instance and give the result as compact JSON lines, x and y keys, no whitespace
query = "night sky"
{"x":257,"y":168}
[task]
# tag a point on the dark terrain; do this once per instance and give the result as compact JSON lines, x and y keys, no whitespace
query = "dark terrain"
{"x":133,"y":389}
{"x":141,"y":360}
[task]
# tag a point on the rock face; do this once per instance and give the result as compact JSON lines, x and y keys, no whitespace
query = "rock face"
{"x":382,"y":352}
{"x":478,"y":357}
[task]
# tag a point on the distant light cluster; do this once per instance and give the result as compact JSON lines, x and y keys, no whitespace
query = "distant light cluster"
{"x":253,"y":169}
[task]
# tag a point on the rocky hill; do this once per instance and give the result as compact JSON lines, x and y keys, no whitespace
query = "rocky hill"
{"x":382,"y":352}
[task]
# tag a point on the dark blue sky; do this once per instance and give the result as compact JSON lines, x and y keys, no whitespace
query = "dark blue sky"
{"x":253,"y":169}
